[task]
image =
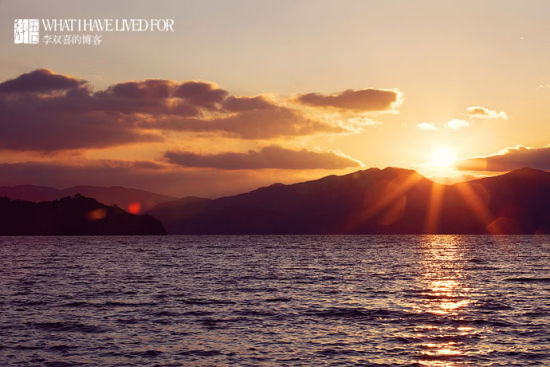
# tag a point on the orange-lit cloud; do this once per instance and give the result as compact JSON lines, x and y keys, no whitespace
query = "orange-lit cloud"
{"x":364,"y":100}
{"x":250,"y":124}
{"x":40,"y":81}
{"x":509,"y":159}
{"x":267,"y":157}
{"x":44,"y":111}
{"x":482,"y":112}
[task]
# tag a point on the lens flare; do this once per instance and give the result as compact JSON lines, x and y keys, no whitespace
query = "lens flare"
{"x":134,"y":208}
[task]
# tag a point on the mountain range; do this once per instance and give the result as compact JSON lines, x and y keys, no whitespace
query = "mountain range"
{"x":134,"y":200}
{"x":76,"y":215}
{"x":378,"y":201}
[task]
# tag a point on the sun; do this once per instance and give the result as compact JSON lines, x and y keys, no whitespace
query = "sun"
{"x":443,"y":158}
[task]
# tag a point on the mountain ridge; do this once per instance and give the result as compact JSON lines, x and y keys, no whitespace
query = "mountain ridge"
{"x":109,"y":195}
{"x":75,"y":215}
{"x":389,"y":200}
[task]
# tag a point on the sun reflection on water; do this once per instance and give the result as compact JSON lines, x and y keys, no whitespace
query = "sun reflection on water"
{"x":445,"y":296}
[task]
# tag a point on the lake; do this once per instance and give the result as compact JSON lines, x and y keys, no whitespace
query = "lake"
{"x":275,"y":301}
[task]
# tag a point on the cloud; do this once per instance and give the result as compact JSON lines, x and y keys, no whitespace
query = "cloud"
{"x":482,"y":112}
{"x":151,"y":96}
{"x":201,"y":93}
{"x":427,"y":126}
{"x":267,"y":157}
{"x":44,"y":111}
{"x":39,"y":81}
{"x":353,"y":100}
{"x":240,"y":104}
{"x":457,"y":124}
{"x":148,"y":89}
{"x":509,"y":159}
{"x":357,"y":122}
{"x":33,"y":123}
{"x":254,"y":124}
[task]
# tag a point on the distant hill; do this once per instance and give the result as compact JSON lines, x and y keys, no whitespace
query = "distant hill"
{"x":134,"y":200}
{"x":76,"y":215}
{"x":391,"y":200}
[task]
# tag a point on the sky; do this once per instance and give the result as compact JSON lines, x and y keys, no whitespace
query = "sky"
{"x":247,"y":93}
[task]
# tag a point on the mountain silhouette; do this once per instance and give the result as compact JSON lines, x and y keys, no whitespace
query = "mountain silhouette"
{"x":387,"y":201}
{"x":139,"y":201}
{"x":76,"y":215}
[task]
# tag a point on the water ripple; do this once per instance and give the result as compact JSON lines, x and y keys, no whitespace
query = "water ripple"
{"x":275,"y":301}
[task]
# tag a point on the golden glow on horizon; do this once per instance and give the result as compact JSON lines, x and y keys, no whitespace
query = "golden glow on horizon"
{"x":443,"y":158}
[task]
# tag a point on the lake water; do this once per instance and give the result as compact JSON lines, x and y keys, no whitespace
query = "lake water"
{"x":275,"y":301}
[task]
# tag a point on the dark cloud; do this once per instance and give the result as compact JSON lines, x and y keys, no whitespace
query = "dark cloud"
{"x":43,"y":111}
{"x":268,"y":157}
{"x":509,"y":159}
{"x":40,"y":81}
{"x":254,"y":124}
{"x":147,"y":89}
{"x":152,"y":96}
{"x":240,"y":104}
{"x":33,"y":123}
{"x":355,"y":100}
{"x":201,"y":94}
